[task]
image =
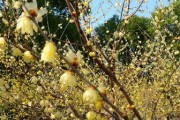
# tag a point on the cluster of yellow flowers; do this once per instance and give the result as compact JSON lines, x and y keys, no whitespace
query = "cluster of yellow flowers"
{"x":24,"y":23}
{"x":93,"y":84}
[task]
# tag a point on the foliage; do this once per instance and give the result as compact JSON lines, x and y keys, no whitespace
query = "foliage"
{"x":106,"y":30}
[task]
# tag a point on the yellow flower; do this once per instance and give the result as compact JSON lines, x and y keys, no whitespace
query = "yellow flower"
{"x":92,"y":54}
{"x":176,"y":52}
{"x":25,"y":25}
{"x":130,"y":106}
{"x":16,"y":51}
{"x":49,"y":52}
{"x":17,"y":4}
{"x":39,"y":89}
{"x":1,"y":14}
{"x":34,"y":11}
{"x":52,"y":116}
{"x":89,"y":30}
{"x":71,"y":21}
{"x":3,"y":117}
{"x":91,"y":115}
{"x":99,"y":104}
{"x":101,"y":117}
{"x":44,"y":103}
{"x":50,"y":110}
{"x":102,"y":89}
{"x":27,"y":57}
{"x":91,"y":95}
{"x":57,"y":114}
{"x":3,"y":44}
{"x":68,"y":79}
{"x":86,"y":3}
{"x":116,"y":34}
{"x":73,"y":58}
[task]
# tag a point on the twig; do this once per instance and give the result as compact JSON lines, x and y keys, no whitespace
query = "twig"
{"x":74,"y":69}
{"x":76,"y":112}
{"x":101,"y":65}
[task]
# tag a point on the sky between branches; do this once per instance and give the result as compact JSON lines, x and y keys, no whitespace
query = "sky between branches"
{"x":103,"y":10}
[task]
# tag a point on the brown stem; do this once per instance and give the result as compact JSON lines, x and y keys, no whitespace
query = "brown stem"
{"x":90,"y":49}
{"x":106,"y":109}
{"x":136,"y":9}
{"x":76,"y":112}
{"x":6,"y":10}
{"x":89,"y":83}
{"x":101,"y":65}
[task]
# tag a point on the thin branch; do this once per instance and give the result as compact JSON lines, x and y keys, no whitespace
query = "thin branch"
{"x":101,"y":65}
{"x":75,"y":70}
{"x":76,"y":112}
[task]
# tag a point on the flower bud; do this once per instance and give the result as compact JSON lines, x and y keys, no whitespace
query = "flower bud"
{"x":99,"y":104}
{"x":102,"y":89}
{"x":68,"y":79}
{"x":16,"y":51}
{"x":52,"y":116}
{"x":49,"y":52}
{"x":34,"y":80}
{"x":27,"y":57}
{"x":46,"y":103}
{"x":116,"y":34}
{"x":42,"y":103}
{"x":1,"y":14}
{"x":86,"y":3}
{"x":57,"y":114}
{"x":121,"y":34}
{"x":176,"y":52}
{"x":101,"y":117}
{"x":2,"y":44}
{"x":91,"y":115}
{"x":39,"y":89}
{"x":89,"y":30}
{"x":71,"y":21}
{"x":91,"y":95}
{"x":50,"y":110}
{"x":17,"y":4}
{"x":92,"y":54}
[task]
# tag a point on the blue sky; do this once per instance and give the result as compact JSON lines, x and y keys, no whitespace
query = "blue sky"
{"x":103,"y":10}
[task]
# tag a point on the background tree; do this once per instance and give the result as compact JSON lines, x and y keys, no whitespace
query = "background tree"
{"x":106,"y":30}
{"x":56,"y":22}
{"x":137,"y":32}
